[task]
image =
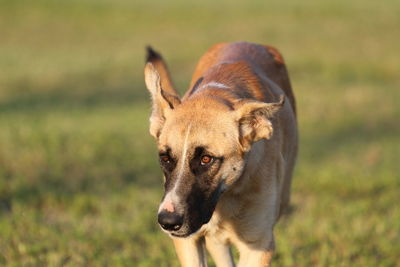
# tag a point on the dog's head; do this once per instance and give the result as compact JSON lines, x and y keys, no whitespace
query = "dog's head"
{"x":202,"y":145}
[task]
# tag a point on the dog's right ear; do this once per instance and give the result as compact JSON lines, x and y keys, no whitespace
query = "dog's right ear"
{"x":254,"y":119}
{"x":163,"y":102}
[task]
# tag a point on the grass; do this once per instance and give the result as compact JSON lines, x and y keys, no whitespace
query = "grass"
{"x":79,"y":181}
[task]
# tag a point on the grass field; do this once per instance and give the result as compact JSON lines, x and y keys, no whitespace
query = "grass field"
{"x":79,"y":179}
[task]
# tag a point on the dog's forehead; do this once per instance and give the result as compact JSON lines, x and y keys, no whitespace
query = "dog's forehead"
{"x":193,"y":128}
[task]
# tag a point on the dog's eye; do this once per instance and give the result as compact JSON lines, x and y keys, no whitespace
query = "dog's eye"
{"x":165,"y":158}
{"x":205,"y":160}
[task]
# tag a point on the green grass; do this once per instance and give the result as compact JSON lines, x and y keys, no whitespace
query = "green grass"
{"x":79,"y":181}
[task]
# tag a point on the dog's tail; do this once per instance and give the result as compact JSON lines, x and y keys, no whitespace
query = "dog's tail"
{"x":159,"y":64}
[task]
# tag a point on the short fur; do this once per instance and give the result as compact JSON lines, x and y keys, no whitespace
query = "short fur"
{"x":234,"y":117}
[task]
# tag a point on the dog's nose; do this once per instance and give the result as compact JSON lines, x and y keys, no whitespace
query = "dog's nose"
{"x":170,"y":221}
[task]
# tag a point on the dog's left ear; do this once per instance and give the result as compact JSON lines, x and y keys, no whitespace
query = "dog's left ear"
{"x":163,"y":101}
{"x":254,"y":120}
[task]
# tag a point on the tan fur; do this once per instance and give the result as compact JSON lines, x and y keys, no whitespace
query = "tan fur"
{"x":252,"y":127}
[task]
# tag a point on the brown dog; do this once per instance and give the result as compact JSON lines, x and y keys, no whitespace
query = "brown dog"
{"x":227,"y":150}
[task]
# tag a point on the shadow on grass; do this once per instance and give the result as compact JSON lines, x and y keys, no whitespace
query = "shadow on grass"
{"x":74,"y":91}
{"x":347,"y":137}
{"x":62,"y":190}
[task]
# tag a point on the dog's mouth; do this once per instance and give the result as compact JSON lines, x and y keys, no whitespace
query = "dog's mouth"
{"x":180,"y":235}
{"x":185,"y":233}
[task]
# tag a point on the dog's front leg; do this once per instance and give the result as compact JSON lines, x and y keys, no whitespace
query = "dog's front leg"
{"x":255,"y":258}
{"x":190,"y":252}
{"x":252,"y":255}
{"x":220,"y":252}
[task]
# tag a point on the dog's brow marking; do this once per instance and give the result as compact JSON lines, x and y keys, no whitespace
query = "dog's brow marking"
{"x":214,"y":84}
{"x":217,"y":84}
{"x":184,"y":152}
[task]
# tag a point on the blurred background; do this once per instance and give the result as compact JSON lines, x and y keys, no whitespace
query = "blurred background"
{"x":79,"y":178}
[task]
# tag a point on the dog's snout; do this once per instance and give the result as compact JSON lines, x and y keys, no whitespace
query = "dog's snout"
{"x":170,"y":221}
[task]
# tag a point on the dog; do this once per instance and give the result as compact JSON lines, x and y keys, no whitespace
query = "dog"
{"x":227,"y":150}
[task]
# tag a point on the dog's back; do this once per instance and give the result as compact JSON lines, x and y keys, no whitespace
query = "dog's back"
{"x":247,"y":56}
